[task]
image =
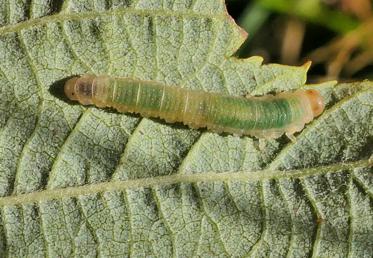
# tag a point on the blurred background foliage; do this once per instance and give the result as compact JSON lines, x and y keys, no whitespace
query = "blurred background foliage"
{"x":336,"y":35}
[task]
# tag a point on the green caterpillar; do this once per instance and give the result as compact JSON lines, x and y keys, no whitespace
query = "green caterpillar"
{"x":262,"y":117}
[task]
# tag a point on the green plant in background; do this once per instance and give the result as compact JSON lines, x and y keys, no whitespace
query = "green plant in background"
{"x":347,"y":55}
{"x":80,"y":181}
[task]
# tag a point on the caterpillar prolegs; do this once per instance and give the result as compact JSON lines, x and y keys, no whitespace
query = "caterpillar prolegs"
{"x":263,"y":117}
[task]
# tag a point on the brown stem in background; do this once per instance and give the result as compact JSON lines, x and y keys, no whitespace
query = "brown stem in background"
{"x":292,"y":41}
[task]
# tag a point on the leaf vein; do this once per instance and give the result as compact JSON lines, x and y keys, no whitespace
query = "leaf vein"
{"x":165,"y":222}
{"x":53,"y":171}
{"x":264,"y":227}
{"x":73,"y":51}
{"x":94,"y":14}
{"x":350,"y":217}
{"x":240,"y":176}
{"x":292,"y":235}
{"x":39,"y":111}
{"x":89,"y":227}
{"x":319,"y":215}
{"x":214,"y":224}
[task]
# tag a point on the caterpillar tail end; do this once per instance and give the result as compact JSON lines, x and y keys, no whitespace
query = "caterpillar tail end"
{"x":316,"y":102}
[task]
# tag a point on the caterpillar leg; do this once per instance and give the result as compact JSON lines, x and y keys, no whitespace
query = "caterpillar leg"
{"x":291,"y":137}
{"x":248,"y":96}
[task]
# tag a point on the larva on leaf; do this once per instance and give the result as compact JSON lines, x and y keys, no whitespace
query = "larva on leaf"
{"x":262,"y":117}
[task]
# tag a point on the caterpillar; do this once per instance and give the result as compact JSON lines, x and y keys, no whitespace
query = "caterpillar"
{"x":263,"y":117}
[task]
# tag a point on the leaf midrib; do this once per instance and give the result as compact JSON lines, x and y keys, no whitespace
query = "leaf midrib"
{"x":61,"y":17}
{"x":243,"y":176}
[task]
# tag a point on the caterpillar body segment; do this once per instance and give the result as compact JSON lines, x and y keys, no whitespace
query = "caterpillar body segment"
{"x":263,"y":117}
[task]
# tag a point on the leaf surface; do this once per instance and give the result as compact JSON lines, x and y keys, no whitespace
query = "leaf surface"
{"x":80,"y":181}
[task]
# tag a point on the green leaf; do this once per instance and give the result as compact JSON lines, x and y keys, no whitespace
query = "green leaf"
{"x":88,"y":182}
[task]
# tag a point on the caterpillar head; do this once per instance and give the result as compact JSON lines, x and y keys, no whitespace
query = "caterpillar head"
{"x":80,"y":89}
{"x":316,"y":101}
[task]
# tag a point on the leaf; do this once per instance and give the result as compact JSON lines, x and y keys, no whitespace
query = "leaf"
{"x":87,"y":182}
